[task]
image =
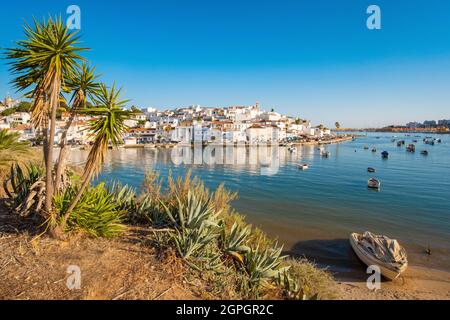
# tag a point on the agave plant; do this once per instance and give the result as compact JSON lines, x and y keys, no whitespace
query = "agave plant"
{"x":124,"y":196}
{"x":292,"y":288}
{"x":192,"y":213}
{"x":194,"y":223}
{"x":234,"y":243}
{"x":263,"y":267}
{"x":27,"y":188}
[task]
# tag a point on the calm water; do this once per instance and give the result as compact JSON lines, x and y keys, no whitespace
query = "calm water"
{"x":312,"y":212}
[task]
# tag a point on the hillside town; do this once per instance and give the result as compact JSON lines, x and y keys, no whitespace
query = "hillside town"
{"x":185,"y":125}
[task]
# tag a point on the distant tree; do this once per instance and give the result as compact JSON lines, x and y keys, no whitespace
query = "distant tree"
{"x":24,"y":106}
{"x":8,"y":112}
{"x":337,"y":125}
{"x":272,"y":110}
{"x":135,"y":109}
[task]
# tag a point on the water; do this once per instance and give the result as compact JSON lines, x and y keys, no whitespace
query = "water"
{"x":312,"y":212}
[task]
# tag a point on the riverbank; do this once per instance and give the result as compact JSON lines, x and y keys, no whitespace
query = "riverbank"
{"x":35,"y":267}
{"x":415,"y":284}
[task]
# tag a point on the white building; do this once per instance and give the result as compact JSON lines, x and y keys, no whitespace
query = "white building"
{"x":262,"y":134}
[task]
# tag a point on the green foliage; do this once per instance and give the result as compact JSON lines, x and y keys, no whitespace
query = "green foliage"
{"x":24,"y":187}
{"x":263,"y":266}
{"x":195,"y":225}
{"x":234,"y":243}
{"x":9,"y":141}
{"x":96,"y":213}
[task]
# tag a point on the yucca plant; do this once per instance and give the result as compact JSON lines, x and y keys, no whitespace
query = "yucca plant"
{"x":234,"y":243}
{"x":108,"y":126}
{"x":41,"y":62}
{"x":96,"y":213}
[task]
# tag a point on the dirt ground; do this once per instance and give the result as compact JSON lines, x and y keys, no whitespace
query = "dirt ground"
{"x":125,"y":268}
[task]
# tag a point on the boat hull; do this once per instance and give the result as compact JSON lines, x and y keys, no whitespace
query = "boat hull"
{"x":369,"y":260}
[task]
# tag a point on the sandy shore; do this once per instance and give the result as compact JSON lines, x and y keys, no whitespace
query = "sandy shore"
{"x":416,"y":284}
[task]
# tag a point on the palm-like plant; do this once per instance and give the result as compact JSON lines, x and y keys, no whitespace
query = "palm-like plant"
{"x":41,"y":62}
{"x":83,"y":84}
{"x":108,"y":126}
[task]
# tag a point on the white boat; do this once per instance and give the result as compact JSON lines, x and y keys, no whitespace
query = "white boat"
{"x":292,"y":149}
{"x":374,"y":183}
{"x":304,"y":166}
{"x":380,"y":251}
{"x":326,"y":154}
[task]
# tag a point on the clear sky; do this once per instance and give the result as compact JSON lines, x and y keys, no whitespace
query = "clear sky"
{"x":313,"y":59}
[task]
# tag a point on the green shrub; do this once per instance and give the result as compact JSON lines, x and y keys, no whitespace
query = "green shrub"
{"x":97,"y":213}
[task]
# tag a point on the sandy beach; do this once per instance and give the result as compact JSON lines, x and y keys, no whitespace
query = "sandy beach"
{"x":416,"y":284}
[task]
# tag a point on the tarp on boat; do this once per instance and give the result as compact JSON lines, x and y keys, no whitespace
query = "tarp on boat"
{"x":383,"y":248}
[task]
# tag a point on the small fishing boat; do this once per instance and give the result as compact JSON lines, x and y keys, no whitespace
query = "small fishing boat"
{"x":326,"y":154}
{"x":292,"y":149}
{"x":432,"y":143}
{"x":411,"y":148}
{"x":303,"y":166}
{"x":439,"y":141}
{"x":415,"y":141}
{"x":381,"y":251}
{"x":370,"y":169}
{"x":424,"y":152}
{"x":374,"y":150}
{"x":366,"y":148}
{"x":374,"y":183}
{"x":385,"y":154}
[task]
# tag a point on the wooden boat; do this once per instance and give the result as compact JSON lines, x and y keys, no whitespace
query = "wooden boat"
{"x":424,"y":152}
{"x":385,"y":154}
{"x":370,"y":169}
{"x":380,"y":251}
{"x":374,"y":183}
{"x":303,"y":166}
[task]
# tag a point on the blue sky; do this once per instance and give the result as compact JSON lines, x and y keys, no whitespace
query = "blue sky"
{"x":313,"y":59}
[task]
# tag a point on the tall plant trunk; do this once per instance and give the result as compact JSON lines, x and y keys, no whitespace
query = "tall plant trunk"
{"x":64,"y":148}
{"x":75,"y":201}
{"x":54,"y":104}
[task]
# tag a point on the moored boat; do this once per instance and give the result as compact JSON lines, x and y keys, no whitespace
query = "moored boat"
{"x":374,"y":183}
{"x":325,"y":154}
{"x":411,"y":148}
{"x":374,"y":150}
{"x":385,"y":154}
{"x":424,"y":152}
{"x":370,"y":169}
{"x":303,"y":166}
{"x":381,"y":251}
